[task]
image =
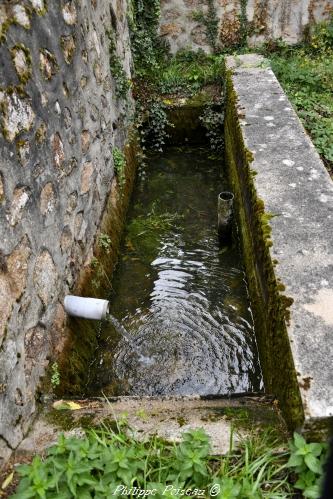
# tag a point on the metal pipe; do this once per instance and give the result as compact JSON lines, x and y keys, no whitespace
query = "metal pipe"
{"x":86,"y":308}
{"x":225,"y":203}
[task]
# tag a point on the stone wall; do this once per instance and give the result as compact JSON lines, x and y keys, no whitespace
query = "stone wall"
{"x":261,"y":19}
{"x":60,"y":118}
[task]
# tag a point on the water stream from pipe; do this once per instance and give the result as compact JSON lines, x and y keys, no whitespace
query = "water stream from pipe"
{"x":124,"y":334}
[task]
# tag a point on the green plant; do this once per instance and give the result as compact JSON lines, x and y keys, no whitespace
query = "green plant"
{"x":106,"y":463}
{"x":243,"y":24}
{"x":210,"y":21}
{"x":154,"y":127}
{"x":55,"y":376}
{"x":119,"y":163}
{"x":212,"y":120}
{"x":321,"y":37}
{"x":117,"y":70}
{"x":307,"y":460}
{"x":144,"y":232}
{"x":305,"y":74}
{"x":99,"y":272}
{"x":146,"y":45}
{"x":187,"y":72}
{"x":105,"y":242}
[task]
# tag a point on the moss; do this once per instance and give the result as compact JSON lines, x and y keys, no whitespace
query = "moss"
{"x":67,"y":420}
{"x":181,"y":421}
{"x":40,"y":134}
{"x":4,"y":28}
{"x":43,"y":10}
{"x":270,"y":307}
{"x":26,"y":74}
{"x":61,"y":419}
{"x":12,"y":21}
{"x":20,"y":143}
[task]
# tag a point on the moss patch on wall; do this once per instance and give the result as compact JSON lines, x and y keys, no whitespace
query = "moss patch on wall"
{"x":269,"y":305}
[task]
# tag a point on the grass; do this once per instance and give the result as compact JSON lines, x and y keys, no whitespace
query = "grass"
{"x":107,"y":463}
{"x":145,"y":231}
{"x":187,"y":72}
{"x":305,"y":72}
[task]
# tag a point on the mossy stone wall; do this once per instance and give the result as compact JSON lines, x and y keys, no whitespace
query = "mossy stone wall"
{"x":223,"y":24}
{"x":60,"y":118}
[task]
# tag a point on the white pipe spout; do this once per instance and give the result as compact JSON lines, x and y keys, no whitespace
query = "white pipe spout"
{"x":86,"y":308}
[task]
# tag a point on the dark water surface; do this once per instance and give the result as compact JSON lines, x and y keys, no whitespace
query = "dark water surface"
{"x":180,"y":295}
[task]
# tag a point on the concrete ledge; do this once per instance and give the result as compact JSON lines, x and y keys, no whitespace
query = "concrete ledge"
{"x":285,"y":201}
{"x":168,"y":417}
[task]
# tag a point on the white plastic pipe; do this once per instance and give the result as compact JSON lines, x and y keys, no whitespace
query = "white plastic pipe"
{"x":86,"y":308}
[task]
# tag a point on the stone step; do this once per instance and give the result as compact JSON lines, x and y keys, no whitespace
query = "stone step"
{"x":223,"y":418}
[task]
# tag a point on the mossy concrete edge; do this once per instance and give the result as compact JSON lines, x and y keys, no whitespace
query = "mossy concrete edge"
{"x":269,"y":305}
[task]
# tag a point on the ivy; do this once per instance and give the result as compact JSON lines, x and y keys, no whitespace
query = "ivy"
{"x":117,"y":70}
{"x":154,"y":129}
{"x":55,"y":376}
{"x":210,"y":21}
{"x":146,"y":44}
{"x":212,"y":119}
{"x":157,"y":75}
{"x":243,"y":22}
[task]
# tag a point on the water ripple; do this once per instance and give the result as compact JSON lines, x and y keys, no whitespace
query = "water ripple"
{"x":184,"y":303}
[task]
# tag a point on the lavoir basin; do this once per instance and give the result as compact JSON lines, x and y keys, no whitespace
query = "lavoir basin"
{"x":180,"y":293}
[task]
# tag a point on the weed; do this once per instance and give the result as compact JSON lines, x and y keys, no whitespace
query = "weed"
{"x":105,"y":462}
{"x":105,"y":242}
{"x":55,"y":376}
{"x":187,"y":72}
{"x":305,"y":73}
{"x":119,"y":163}
{"x":144,"y":232}
{"x":212,"y":120}
{"x":307,"y":460}
{"x":99,"y":271}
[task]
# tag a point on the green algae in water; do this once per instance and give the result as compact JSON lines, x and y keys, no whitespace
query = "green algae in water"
{"x":181,"y":296}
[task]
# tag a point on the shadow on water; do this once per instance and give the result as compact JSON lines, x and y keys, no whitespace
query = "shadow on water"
{"x":180,"y":295}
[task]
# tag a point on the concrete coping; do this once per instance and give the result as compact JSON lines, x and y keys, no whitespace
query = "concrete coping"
{"x":296,"y":188}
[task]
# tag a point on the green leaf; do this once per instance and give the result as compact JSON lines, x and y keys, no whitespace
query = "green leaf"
{"x":313,"y":463}
{"x":312,"y":492}
{"x":299,"y":440}
{"x":294,"y":461}
{"x":316,"y":449}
